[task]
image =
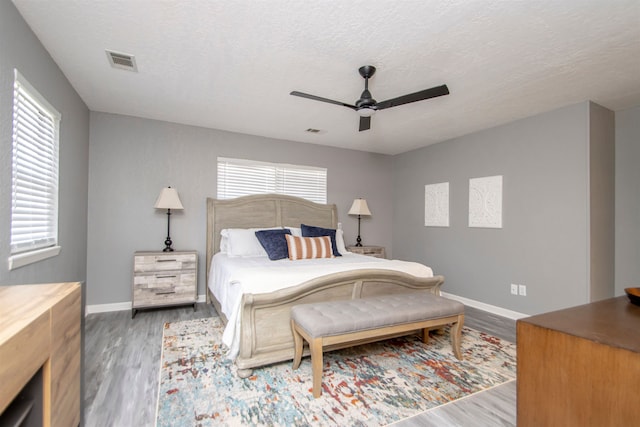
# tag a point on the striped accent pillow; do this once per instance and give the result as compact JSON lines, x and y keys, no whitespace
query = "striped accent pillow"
{"x":309,"y":247}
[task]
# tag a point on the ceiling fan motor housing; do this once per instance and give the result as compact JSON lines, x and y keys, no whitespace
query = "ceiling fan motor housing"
{"x":366,"y":100}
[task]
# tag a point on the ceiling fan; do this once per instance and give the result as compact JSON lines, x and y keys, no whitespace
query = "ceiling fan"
{"x":366,"y":106}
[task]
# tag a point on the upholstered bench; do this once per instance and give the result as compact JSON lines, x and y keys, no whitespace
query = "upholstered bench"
{"x":357,"y":321}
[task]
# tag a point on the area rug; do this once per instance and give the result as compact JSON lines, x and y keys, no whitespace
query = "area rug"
{"x":368,"y":385}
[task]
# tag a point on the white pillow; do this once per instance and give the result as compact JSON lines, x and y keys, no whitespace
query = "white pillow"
{"x":295,"y":231}
{"x":340,"y":242}
{"x":224,"y":242}
{"x":242,"y":242}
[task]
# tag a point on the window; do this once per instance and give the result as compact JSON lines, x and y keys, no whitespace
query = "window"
{"x":34,"y":185}
{"x":237,"y":177}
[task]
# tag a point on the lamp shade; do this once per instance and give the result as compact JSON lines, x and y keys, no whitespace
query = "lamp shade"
{"x":359,"y":207}
{"x":168,"y":199}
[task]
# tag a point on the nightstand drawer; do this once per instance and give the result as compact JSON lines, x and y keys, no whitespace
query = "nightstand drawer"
{"x":169,"y":287}
{"x":162,"y":279}
{"x":162,"y":296}
{"x":164,"y":262}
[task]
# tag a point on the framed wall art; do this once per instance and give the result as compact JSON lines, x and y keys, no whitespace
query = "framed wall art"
{"x":485,"y":202}
{"x":436,"y":205}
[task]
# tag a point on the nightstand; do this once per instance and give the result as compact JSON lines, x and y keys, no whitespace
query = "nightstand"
{"x":374,"y":251}
{"x":163,"y":279}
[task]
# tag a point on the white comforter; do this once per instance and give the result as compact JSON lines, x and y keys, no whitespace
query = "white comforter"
{"x":231,"y":277}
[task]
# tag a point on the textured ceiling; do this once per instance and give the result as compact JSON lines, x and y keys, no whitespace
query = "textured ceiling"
{"x":230,"y":64}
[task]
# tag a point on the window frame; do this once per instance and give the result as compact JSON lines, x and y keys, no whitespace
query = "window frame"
{"x":276,"y":178}
{"x":24,"y":252}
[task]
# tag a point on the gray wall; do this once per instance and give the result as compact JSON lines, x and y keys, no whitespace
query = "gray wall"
{"x":131,"y":159}
{"x":627,"y":250}
{"x":19,"y":48}
{"x":544,"y":240}
{"x":601,"y":202}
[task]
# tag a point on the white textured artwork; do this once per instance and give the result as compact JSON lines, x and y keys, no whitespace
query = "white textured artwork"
{"x":436,"y":205}
{"x":485,"y":202}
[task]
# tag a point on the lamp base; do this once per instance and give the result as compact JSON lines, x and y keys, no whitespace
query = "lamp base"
{"x":168,"y":244}
{"x":359,"y":240}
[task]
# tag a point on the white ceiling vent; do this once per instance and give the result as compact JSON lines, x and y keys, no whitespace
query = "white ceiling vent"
{"x":123,"y":61}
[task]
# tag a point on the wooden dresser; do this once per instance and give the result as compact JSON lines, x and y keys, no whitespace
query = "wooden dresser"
{"x":40,"y":330}
{"x":163,"y":279}
{"x":580,"y":366}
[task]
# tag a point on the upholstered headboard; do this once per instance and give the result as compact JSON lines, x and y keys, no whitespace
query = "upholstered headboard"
{"x":264,"y":210}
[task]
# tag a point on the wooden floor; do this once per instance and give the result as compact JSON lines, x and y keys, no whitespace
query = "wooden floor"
{"x":122,"y":361}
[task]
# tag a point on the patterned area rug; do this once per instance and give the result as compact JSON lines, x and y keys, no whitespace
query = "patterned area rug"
{"x":369,"y":385}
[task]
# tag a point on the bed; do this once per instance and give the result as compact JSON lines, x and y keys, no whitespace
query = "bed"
{"x":263,"y":321}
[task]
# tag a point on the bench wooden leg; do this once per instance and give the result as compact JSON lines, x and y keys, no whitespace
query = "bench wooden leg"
{"x":456,"y":336}
{"x":297,"y":348}
{"x":316,"y":365}
{"x":425,"y":335}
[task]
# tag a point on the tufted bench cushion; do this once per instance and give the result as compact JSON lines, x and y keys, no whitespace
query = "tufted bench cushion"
{"x":367,"y":319}
{"x":337,"y":317}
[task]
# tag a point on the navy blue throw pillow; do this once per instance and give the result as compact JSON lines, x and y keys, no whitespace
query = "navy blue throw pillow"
{"x":274,"y":242}
{"x":311,"y":231}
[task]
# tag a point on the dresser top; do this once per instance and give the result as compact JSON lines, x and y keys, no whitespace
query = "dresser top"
{"x":614,"y":322}
{"x":22,"y":304}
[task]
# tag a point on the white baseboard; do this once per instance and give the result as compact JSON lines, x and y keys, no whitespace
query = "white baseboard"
{"x":103,"y":308}
{"x":486,"y":307}
{"x":119,"y":306}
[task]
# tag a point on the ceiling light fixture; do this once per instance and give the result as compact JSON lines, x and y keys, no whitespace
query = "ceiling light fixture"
{"x":366,"y":112}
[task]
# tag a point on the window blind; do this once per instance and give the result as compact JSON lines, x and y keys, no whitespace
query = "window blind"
{"x":34,"y":187}
{"x":239,"y":177}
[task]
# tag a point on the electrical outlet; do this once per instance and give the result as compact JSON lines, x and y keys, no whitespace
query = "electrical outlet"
{"x":522,"y":290}
{"x":514,"y":289}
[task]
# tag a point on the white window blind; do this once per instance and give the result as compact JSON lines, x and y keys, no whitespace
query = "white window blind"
{"x":238,"y":177}
{"x":34,"y":190}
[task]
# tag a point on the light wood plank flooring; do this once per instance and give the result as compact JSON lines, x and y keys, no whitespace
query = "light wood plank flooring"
{"x":122,"y":360}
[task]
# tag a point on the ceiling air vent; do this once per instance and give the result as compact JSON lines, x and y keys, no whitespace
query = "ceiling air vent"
{"x":123,"y":61}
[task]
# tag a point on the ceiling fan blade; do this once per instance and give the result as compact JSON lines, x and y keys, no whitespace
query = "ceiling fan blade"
{"x":413,"y":97}
{"x":318,"y":98}
{"x":365,"y":123}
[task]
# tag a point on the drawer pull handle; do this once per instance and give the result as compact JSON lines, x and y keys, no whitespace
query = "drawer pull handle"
{"x":165,"y":292}
{"x":166,"y":260}
{"x":165,"y":277}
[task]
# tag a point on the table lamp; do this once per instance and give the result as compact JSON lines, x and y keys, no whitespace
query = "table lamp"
{"x":168,"y":199}
{"x":360,"y":208}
